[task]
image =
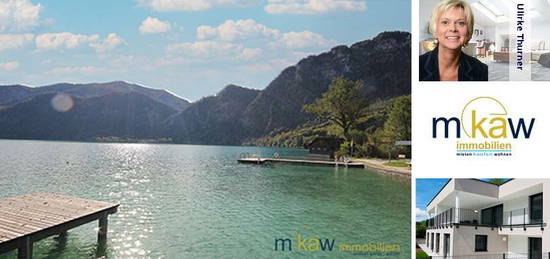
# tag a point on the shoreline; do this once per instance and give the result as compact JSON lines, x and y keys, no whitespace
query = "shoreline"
{"x":378,"y":166}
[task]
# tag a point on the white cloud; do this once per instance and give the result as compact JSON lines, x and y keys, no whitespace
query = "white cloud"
{"x":86,"y":70}
{"x":237,"y":30}
{"x":213,"y":49}
{"x":168,"y":62}
{"x":123,"y":60}
{"x":313,"y":6}
{"x":18,"y":15}
{"x":248,"y":53}
{"x":9,"y":66}
{"x":191,"y":5}
{"x":304,"y":39}
{"x":421,"y":214}
{"x":65,"y":40}
{"x":111,"y":42}
{"x":176,"y":5}
{"x":153,"y":25}
{"x":15,"y":41}
{"x":247,"y":29}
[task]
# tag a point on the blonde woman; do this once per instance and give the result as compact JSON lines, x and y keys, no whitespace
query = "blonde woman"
{"x":452,"y":24}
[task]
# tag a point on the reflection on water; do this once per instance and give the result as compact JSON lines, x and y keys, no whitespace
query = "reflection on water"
{"x":125,"y":188}
{"x":196,"y":201}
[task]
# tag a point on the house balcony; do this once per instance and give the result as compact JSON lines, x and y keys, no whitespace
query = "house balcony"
{"x":494,"y":256}
{"x":518,"y":221}
{"x":508,"y":222}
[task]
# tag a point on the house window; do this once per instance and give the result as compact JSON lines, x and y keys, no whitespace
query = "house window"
{"x":492,"y":216}
{"x":481,"y":243}
{"x":428,"y":240}
{"x":446,"y":245}
{"x":535,"y":208}
{"x":432,"y":243}
{"x":437,"y":243}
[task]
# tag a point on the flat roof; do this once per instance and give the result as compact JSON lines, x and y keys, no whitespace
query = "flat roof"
{"x":466,"y":179}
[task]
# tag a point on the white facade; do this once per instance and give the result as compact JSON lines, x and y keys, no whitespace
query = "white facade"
{"x":499,"y":215}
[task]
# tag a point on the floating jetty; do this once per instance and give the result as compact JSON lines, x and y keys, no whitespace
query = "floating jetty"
{"x":302,"y":161}
{"x":29,"y":218}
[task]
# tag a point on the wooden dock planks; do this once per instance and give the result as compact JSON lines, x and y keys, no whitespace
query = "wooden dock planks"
{"x":28,"y":218}
{"x":299,"y":161}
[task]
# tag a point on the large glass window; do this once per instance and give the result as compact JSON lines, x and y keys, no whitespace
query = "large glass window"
{"x":535,"y":208}
{"x":492,"y":216}
{"x":486,"y":216}
{"x":498,"y":215}
{"x":481,"y":243}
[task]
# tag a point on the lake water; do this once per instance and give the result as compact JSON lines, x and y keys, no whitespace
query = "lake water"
{"x":189,"y":201}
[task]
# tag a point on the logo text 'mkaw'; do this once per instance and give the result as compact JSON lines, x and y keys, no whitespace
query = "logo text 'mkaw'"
{"x":484,"y":117}
{"x":486,"y":127}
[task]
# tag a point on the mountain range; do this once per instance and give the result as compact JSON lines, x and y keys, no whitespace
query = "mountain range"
{"x":13,"y":94}
{"x":234,"y":115}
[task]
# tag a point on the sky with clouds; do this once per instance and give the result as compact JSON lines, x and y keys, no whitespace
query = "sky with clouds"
{"x":192,"y":48}
{"x":426,"y":189}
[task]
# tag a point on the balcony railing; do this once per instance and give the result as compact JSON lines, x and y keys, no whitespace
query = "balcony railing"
{"x":520,"y":218}
{"x":454,"y":216}
{"x":462,"y":216}
{"x":496,"y":256}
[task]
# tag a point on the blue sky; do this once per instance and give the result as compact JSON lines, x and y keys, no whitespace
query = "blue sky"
{"x":426,"y":189}
{"x":192,"y":48}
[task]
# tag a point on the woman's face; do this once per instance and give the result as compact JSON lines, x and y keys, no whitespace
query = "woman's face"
{"x":452,"y":29}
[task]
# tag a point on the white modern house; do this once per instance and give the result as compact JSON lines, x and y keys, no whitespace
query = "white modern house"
{"x":470,"y":218}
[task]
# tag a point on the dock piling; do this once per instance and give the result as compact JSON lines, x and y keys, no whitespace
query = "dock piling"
{"x":25,"y":249}
{"x":102,"y":233}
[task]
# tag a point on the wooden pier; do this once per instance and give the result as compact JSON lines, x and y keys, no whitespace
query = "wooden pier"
{"x":29,"y":218}
{"x":261,"y":160}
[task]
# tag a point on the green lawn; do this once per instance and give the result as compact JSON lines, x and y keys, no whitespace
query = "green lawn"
{"x":397,"y":164}
{"x":421,"y":255}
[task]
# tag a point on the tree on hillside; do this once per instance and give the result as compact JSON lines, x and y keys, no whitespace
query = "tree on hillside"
{"x":342,"y":105}
{"x":398,"y":125}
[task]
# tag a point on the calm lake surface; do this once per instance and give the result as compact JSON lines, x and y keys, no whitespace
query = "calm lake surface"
{"x":189,"y":201}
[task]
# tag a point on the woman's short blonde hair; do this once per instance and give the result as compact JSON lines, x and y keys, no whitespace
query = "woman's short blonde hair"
{"x":448,"y":4}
